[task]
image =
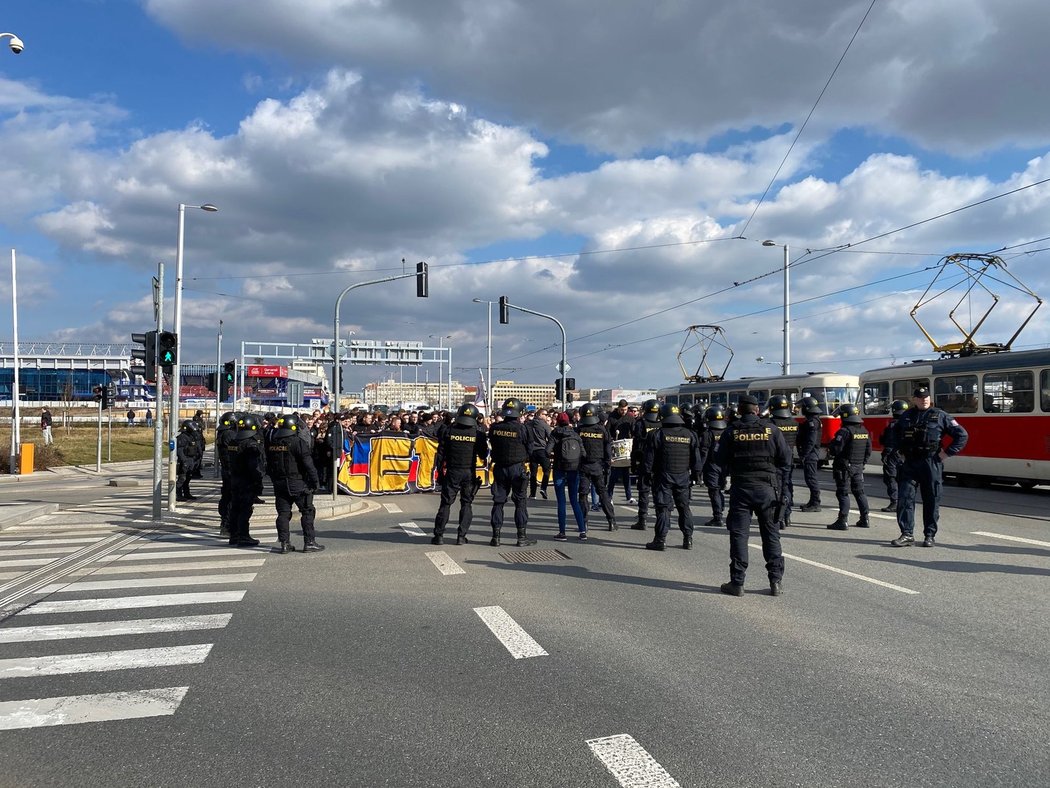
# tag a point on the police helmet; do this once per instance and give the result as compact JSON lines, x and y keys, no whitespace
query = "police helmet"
{"x":671,"y":414}
{"x":227,"y":421}
{"x":809,"y":406}
{"x":188,"y":426}
{"x":512,"y":408}
{"x":716,"y":417}
{"x":779,"y":407}
{"x":849,"y":413}
{"x":248,"y":423}
{"x":651,"y":410}
{"x":290,"y":422}
{"x":467,"y":415}
{"x":588,"y":415}
{"x":898,"y":407}
{"x":686,"y":409}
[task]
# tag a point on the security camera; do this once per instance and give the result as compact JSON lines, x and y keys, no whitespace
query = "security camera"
{"x":16,"y":45}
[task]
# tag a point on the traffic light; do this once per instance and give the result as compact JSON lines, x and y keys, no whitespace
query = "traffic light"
{"x":226,"y":377}
{"x":167,"y":349}
{"x":107,"y":396}
{"x":557,"y":389}
{"x":147,"y":354}
{"x":504,"y":310}
{"x":98,"y":392}
{"x":570,"y":383}
{"x":422,"y":280}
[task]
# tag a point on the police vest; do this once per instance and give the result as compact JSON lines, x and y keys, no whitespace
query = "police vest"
{"x":855,"y":447}
{"x":752,"y":452}
{"x":675,"y":449}
{"x":283,"y":453}
{"x":920,"y":435}
{"x":642,"y":429}
{"x":459,"y":446}
{"x":789,"y":427}
{"x":593,"y":438}
{"x":508,"y":447}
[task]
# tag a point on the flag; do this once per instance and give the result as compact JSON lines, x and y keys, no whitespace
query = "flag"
{"x":481,"y":396}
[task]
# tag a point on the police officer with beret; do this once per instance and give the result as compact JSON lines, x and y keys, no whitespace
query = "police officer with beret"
{"x":509,"y":477}
{"x":458,"y":452}
{"x":920,"y":434}
{"x":290,"y":465}
{"x":753,"y":452}
{"x":808,"y":445}
{"x":643,"y":428}
{"x":850,"y":450}
{"x":891,"y":456}
{"x":780,"y":414}
{"x":672,"y":462}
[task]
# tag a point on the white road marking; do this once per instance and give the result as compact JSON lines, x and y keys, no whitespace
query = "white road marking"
{"x":517,"y":641}
{"x":7,"y":564}
{"x":76,"y":540}
{"x":1011,"y":538}
{"x":412,"y":529}
{"x":31,"y":548}
{"x":199,"y":553}
{"x":630,"y":764}
{"x":393,"y":508}
{"x":145,"y":582}
{"x":127,"y":602}
{"x":444,"y":563}
{"x":100,"y":629}
{"x":883,"y":516}
{"x":182,"y":566}
{"x":844,"y":572}
{"x":77,"y":709}
{"x":98,"y":661}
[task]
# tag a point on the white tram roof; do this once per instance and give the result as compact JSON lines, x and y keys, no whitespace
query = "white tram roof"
{"x":1006,"y":359}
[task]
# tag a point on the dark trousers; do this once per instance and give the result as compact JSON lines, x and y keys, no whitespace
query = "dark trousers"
{"x":304,"y":502}
{"x":745,"y":499}
{"x":672,"y":491}
{"x":224,"y":501}
{"x":644,"y":488}
{"x":539,"y":459}
{"x":850,"y":479}
{"x":616,"y":475}
{"x":592,"y":476}
{"x":891,"y":465}
{"x":242,"y":500}
{"x":926,"y":476}
{"x":718,"y":501}
{"x":457,"y":482}
{"x":810,"y":462}
{"x":787,"y":492}
{"x":510,"y":480}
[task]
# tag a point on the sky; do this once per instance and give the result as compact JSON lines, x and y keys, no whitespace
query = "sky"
{"x":614,"y":164}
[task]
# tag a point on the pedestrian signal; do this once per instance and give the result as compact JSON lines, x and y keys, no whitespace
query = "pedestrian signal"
{"x":226,"y":377}
{"x":167,"y":350}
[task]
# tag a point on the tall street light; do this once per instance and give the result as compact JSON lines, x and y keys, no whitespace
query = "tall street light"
{"x":176,"y":368}
{"x":488,"y":394}
{"x":441,"y":360}
{"x":786,"y":370}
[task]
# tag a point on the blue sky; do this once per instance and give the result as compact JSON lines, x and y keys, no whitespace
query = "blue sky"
{"x":500,"y":142}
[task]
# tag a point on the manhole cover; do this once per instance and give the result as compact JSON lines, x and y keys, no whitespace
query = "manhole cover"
{"x":534,"y":556}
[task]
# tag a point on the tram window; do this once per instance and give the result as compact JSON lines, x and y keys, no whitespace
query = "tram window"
{"x":1044,"y":390}
{"x":719,"y":398}
{"x":876,"y":399}
{"x":760,"y":394}
{"x":955,"y":393}
{"x":1008,"y":392}
{"x":902,"y":389}
{"x":671,"y":399}
{"x":685,"y":399}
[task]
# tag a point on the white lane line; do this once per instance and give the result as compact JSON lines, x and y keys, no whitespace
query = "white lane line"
{"x":393,"y":508}
{"x":883,"y":516}
{"x":146,"y":582}
{"x":101,"y":629}
{"x":127,"y":602}
{"x":98,"y":661}
{"x":516,"y":640}
{"x":171,"y":544}
{"x":199,"y":553}
{"x":77,"y":709}
{"x":630,"y":764}
{"x":32,"y":541}
{"x":32,"y":549}
{"x":1011,"y":538}
{"x":10,"y":564}
{"x":444,"y":563}
{"x":854,"y":575}
{"x":182,"y":566}
{"x":412,"y":529}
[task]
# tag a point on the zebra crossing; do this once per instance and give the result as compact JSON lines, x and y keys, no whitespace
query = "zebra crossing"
{"x":105,"y":623}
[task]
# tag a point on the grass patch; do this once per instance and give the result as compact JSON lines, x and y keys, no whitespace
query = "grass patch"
{"x":77,"y":445}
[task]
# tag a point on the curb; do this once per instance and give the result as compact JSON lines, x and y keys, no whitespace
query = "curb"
{"x":19,"y":513}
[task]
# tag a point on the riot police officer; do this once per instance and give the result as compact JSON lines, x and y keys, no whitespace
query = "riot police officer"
{"x":188,"y":453}
{"x":509,"y":476}
{"x":714,"y":424}
{"x":808,"y":445}
{"x":597,"y":458}
{"x":891,"y":456}
{"x":290,"y":465}
{"x":643,"y":428}
{"x":672,"y":462}
{"x":752,"y":452}
{"x":225,"y":432}
{"x":780,"y":414}
{"x":247,"y":465}
{"x":458,"y":452}
{"x":850,"y":449}
{"x":920,"y":432}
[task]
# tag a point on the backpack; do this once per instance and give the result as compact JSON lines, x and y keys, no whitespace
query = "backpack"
{"x":570,"y":452}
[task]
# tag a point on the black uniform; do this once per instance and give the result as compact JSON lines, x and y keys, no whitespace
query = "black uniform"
{"x":789,"y":429}
{"x":672,"y":461}
{"x":188,"y":452}
{"x":808,"y":445}
{"x":537,"y":433}
{"x":642,"y":430}
{"x":713,"y":476}
{"x":223,"y":438}
{"x":597,"y":458}
{"x":851,"y":449}
{"x":891,"y":462}
{"x":290,"y":465}
{"x":920,"y":433}
{"x":460,"y":448}
{"x":246,"y":483}
{"x":752,"y":452}
{"x":509,"y":476}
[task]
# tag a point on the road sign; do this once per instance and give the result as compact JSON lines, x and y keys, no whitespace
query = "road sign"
{"x":557,"y":367}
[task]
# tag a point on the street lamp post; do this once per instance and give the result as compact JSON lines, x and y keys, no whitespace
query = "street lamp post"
{"x":488,"y":345}
{"x":176,"y":368}
{"x":786,"y":369}
{"x":563,"y":367}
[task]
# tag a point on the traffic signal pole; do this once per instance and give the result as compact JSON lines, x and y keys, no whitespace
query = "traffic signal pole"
{"x":563,"y":367}
{"x":158,"y":406}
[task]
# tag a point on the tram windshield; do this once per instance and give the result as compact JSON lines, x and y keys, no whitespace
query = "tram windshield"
{"x":830,"y":397}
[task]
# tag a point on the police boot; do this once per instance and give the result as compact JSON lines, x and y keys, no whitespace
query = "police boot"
{"x":811,"y":506}
{"x":494,"y":542}
{"x":839,"y":525}
{"x":224,"y":530}
{"x":715,"y":522}
{"x":523,"y":539}
{"x":785,"y":523}
{"x":311,"y":546}
{"x":863,"y":522}
{"x":612,"y":524}
{"x":438,"y":539}
{"x":656,"y":544}
{"x":890,"y":507}
{"x":639,"y":524}
{"x":285,"y":547}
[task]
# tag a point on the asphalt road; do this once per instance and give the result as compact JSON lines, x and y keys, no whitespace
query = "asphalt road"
{"x":366,"y":665}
